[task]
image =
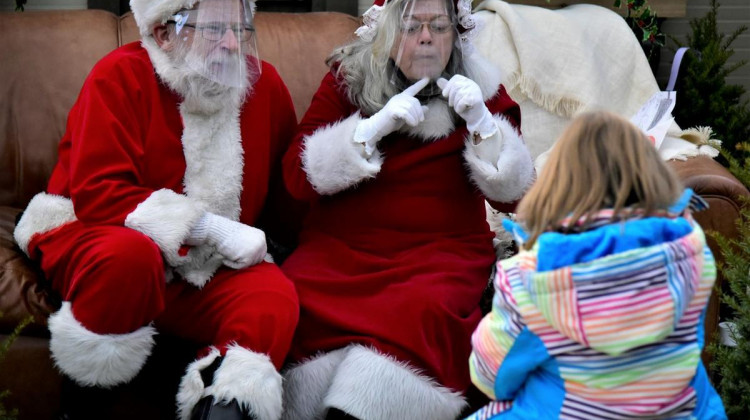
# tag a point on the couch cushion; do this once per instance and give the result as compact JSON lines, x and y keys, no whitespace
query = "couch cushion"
{"x":297,"y":45}
{"x":46,"y":57}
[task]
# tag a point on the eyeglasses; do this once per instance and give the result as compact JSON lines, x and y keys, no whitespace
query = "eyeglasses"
{"x":216,"y":31}
{"x":438,"y":25}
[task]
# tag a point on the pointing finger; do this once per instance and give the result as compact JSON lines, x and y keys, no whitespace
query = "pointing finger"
{"x":416,"y":87}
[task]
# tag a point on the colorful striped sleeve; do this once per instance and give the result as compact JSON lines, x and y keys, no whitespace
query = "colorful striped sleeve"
{"x":494,"y":337}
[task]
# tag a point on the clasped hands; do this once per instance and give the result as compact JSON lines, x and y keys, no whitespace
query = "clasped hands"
{"x":463,"y":94}
{"x":240,"y":245}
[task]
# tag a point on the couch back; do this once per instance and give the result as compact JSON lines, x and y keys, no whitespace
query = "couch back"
{"x":47,"y":55}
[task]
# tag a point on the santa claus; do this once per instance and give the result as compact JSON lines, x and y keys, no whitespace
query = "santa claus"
{"x":150,"y":219}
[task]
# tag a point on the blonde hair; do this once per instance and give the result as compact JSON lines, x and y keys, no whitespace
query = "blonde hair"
{"x":366,"y":68}
{"x":600,"y":161}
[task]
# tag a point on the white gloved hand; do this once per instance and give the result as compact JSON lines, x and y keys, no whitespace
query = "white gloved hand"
{"x":401,"y":109}
{"x":465,"y":96}
{"x":240,"y":245}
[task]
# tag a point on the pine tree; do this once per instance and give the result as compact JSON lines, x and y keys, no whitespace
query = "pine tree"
{"x":705,"y":98}
{"x":6,"y":414}
{"x":732,"y":364}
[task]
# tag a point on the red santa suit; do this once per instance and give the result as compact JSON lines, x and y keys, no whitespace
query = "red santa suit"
{"x":395,"y":253}
{"x":136,"y":171}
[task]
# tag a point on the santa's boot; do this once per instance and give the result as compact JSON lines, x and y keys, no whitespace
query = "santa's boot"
{"x":241,"y":385}
{"x":207,"y":408}
{"x":84,"y":402}
{"x":93,"y":364}
{"x":336,"y":414}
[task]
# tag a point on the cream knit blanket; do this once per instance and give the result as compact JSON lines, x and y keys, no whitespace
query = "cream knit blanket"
{"x":558,"y":63}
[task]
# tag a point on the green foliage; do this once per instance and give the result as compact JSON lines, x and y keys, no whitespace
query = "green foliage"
{"x":643,"y":21}
{"x":704,"y":97}
{"x":6,"y":414}
{"x":732,"y":364}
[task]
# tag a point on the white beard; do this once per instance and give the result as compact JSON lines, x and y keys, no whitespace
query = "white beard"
{"x":201,"y":94}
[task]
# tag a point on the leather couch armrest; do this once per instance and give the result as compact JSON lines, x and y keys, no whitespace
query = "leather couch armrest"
{"x":21,"y":293}
{"x":718,"y":187}
{"x":722,"y":191}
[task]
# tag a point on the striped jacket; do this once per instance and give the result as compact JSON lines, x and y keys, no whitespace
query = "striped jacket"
{"x":606,"y":323}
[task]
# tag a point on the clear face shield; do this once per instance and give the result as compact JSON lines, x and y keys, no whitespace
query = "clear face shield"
{"x":426,"y":44}
{"x":217,"y":41}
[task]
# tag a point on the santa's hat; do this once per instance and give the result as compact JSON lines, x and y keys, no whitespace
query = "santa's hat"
{"x":370,"y":19}
{"x":148,"y":13}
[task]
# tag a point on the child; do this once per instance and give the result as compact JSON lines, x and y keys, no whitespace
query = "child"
{"x":600,"y":315}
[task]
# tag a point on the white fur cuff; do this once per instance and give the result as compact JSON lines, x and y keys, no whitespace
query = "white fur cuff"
{"x":501,"y":165}
{"x":91,"y":359}
{"x":44,"y":213}
{"x":307,"y":383}
{"x":245,"y":376}
{"x":167,"y":218}
{"x":192,"y":388}
{"x":369,"y":385}
{"x":332,"y":160}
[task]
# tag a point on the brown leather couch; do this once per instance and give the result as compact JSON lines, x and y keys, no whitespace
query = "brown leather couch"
{"x":45,"y":58}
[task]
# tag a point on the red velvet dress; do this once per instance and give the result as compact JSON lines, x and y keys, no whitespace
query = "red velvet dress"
{"x":397,"y":262}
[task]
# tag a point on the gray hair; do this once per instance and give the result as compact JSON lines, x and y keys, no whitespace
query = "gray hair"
{"x":366,"y":68}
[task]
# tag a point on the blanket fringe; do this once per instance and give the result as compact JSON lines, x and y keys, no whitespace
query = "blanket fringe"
{"x":520,"y":85}
{"x":700,"y":136}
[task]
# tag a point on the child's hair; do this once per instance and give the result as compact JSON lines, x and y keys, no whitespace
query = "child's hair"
{"x":600,"y":161}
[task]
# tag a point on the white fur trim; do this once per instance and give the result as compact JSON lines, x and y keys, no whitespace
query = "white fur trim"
{"x":167,"y":218}
{"x":501,"y":165}
{"x":192,"y":388}
{"x":307,"y":383}
{"x":483,"y":73}
{"x":332,"y":159}
{"x":148,"y":13}
{"x":44,"y":213}
{"x":252,"y":380}
{"x":201,"y":264}
{"x":94,"y":359}
{"x":245,"y":376}
{"x":438,"y":122}
{"x":371,"y":386}
{"x":212,"y":145}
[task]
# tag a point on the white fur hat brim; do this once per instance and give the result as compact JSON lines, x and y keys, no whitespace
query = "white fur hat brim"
{"x":148,"y":13}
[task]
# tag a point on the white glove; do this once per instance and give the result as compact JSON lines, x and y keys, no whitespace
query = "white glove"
{"x":465,"y":96}
{"x":240,"y":245}
{"x":400,"y":109}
